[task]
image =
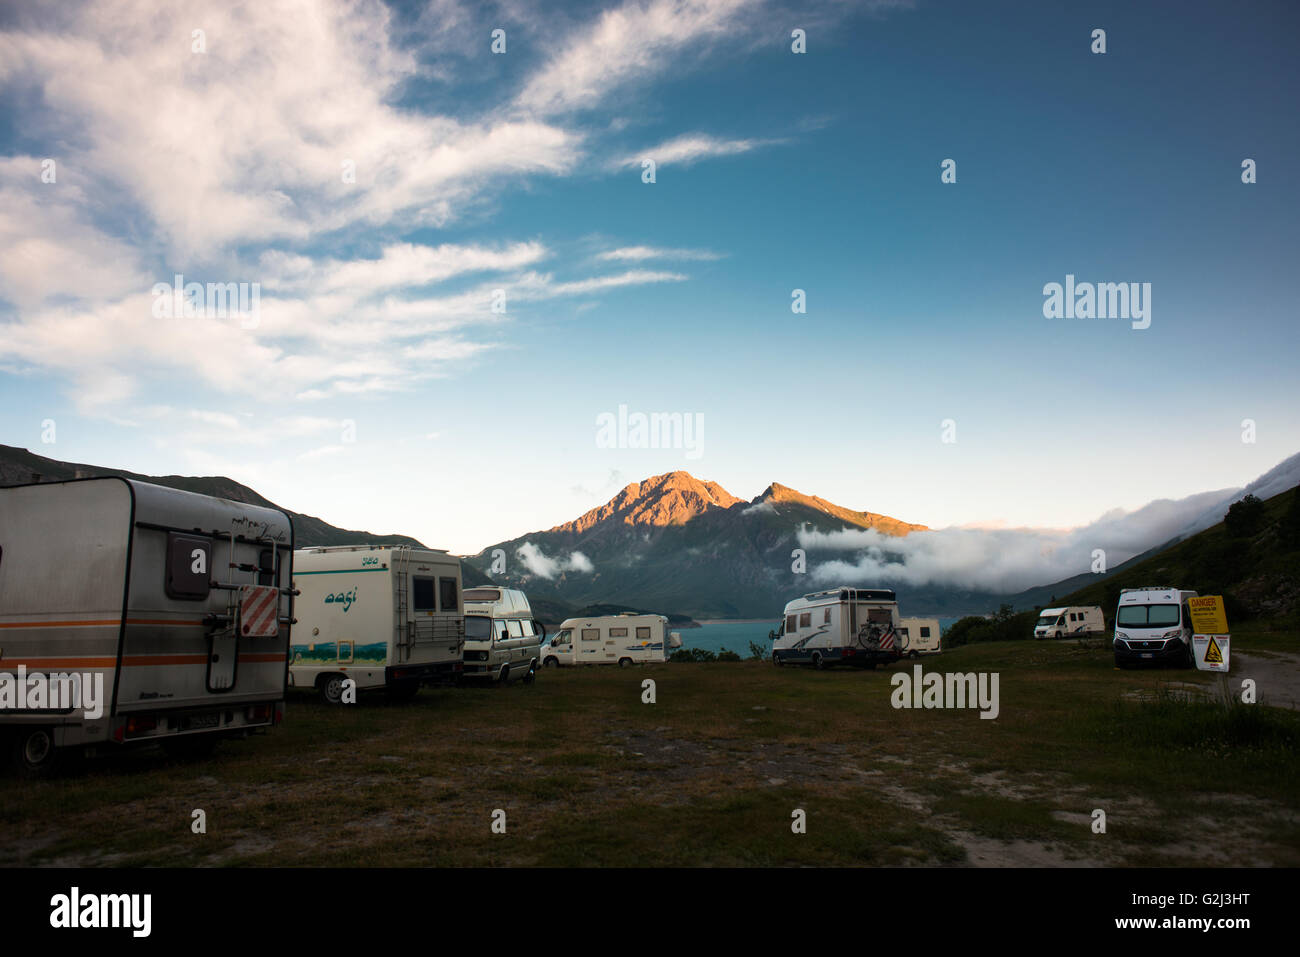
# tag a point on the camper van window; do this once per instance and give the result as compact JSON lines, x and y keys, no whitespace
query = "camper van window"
{"x":791,"y":623}
{"x":827,"y":617}
{"x":925,"y":631}
{"x":189,"y":566}
{"x":805,"y":620}
{"x":422,"y":594}
{"x":478,"y":627}
{"x":266,"y":569}
{"x":591,"y":634}
{"x":447,"y":595}
{"x":643,"y":633}
{"x":618,"y":632}
{"x":529,"y":631}
{"x":516,"y":629}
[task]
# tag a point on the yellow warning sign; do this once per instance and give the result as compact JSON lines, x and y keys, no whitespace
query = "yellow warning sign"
{"x":1211,"y":652}
{"x":1208,"y":616}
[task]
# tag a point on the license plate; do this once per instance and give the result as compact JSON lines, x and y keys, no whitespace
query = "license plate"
{"x":200,"y":721}
{"x":1147,"y":655}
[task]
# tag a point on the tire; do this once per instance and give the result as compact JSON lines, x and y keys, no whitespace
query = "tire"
{"x":551,"y":662}
{"x":776,"y":660}
{"x":503,"y":678}
{"x":190,"y":747}
{"x":34,"y":754}
{"x":532,"y":674}
{"x":818,"y":662}
{"x":331,"y":688}
{"x":914,"y":654}
{"x":625,"y":662}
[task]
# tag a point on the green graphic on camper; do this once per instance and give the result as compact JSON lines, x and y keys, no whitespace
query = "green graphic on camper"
{"x":327,"y":652}
{"x":342,"y":598}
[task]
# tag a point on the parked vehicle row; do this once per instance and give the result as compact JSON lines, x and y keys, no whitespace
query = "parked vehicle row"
{"x":131,"y":613}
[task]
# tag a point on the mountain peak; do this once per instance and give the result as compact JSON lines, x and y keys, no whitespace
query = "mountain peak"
{"x":777,"y":493}
{"x":673,"y":498}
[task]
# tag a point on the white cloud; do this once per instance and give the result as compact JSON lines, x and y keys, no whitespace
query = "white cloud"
{"x":539,"y":564}
{"x":642,"y":253}
{"x":690,"y":148}
{"x":629,"y":43}
{"x":1004,"y":559}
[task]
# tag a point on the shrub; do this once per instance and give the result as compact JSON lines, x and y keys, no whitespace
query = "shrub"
{"x":1245,"y":518}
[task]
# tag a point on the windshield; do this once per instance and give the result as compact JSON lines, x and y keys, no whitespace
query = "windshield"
{"x":1147,"y":616}
{"x":1048,"y":620}
{"x":476,"y":626}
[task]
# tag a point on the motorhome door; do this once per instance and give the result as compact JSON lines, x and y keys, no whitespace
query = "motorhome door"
{"x":223,"y":654}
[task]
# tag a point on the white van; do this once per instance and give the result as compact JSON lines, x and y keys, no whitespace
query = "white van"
{"x":503,"y":641}
{"x":612,"y":639}
{"x":918,"y":636}
{"x":1153,"y":625}
{"x":849,"y":626}
{"x":385,"y":616}
{"x":1069,"y":622}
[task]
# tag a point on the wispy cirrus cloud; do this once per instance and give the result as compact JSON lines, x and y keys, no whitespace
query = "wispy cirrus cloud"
{"x":643,"y":253}
{"x":690,"y":148}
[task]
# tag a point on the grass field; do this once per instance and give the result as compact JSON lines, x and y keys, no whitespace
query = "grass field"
{"x":710,"y":775}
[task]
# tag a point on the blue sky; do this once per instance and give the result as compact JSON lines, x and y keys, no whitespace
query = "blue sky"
{"x":379,"y":390}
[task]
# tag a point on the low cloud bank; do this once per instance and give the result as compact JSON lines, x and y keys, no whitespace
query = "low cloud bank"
{"x":1000,"y":560}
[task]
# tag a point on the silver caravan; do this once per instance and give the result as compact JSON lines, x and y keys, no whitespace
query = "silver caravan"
{"x":503,"y":642}
{"x":840,"y":626}
{"x":383,"y":616}
{"x":134,"y":614}
{"x":918,"y":636}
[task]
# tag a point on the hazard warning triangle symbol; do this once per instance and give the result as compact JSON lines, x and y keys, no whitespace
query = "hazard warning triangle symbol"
{"x":1212,"y":654}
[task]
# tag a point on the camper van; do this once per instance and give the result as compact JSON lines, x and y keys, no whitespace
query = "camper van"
{"x":840,"y":626}
{"x":386,"y":616}
{"x":147,"y":615}
{"x":1069,"y":622}
{"x":1153,"y":626}
{"x":503,"y":642}
{"x":621,"y":640}
{"x":918,"y":636}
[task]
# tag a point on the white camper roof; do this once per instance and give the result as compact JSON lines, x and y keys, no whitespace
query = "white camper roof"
{"x":1053,"y":612}
{"x":1135,"y":596}
{"x":496,"y":602}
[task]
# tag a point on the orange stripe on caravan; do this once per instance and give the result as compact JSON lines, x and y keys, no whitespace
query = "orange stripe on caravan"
{"x":114,"y":622}
{"x":138,"y":660}
{"x":60,"y":624}
{"x":46,"y":663}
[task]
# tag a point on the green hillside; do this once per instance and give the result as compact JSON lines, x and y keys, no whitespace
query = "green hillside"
{"x":1253,"y":563}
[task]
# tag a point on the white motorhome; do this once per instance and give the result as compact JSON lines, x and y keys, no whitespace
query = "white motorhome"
{"x":1153,"y":625}
{"x":386,"y":616}
{"x":849,"y":626}
{"x":175,"y":606}
{"x":918,"y":636}
{"x":621,"y":640}
{"x":1069,"y":621}
{"x":503,"y":641}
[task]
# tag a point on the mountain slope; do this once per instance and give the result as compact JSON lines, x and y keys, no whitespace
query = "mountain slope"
{"x":680,"y":544}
